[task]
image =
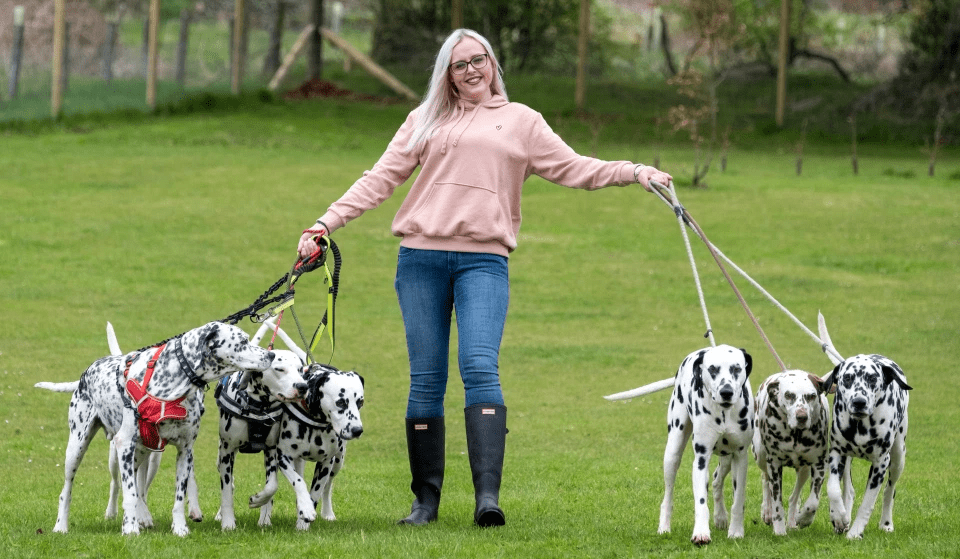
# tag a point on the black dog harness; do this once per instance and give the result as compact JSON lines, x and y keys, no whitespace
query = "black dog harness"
{"x":260,"y":417}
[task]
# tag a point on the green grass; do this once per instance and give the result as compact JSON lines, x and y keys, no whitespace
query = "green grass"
{"x":158,"y":224}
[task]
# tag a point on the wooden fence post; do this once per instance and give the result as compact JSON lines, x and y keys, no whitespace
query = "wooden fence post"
{"x":17,"y":56}
{"x":237,"y":50}
{"x":580,"y":91}
{"x":108,"y":48}
{"x":271,"y":62}
{"x":182,"y":47}
{"x":59,"y":31}
{"x":153,"y":53}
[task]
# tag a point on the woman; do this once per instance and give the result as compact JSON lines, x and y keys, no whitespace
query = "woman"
{"x":458,"y":224}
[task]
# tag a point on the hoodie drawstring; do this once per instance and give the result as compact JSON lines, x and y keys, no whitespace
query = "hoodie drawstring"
{"x":462,"y":112}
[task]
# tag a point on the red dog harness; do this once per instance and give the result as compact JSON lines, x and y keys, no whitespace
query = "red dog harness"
{"x":150,"y":409}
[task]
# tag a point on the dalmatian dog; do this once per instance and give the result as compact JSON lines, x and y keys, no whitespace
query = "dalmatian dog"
{"x":712,"y":404}
{"x":792,"y":431}
{"x":102,"y":400}
{"x":315,"y":430}
{"x":249,"y":422}
{"x":869,"y":422}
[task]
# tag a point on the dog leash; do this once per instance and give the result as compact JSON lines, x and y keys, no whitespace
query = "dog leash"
{"x":684,"y":217}
{"x":717,"y":254}
{"x":693,"y":263}
{"x":301,"y":266}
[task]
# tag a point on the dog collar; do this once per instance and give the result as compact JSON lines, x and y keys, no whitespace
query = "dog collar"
{"x":185,"y":365}
{"x":301,"y":416}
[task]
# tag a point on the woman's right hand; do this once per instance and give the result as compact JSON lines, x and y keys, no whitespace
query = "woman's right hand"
{"x":308,"y":245}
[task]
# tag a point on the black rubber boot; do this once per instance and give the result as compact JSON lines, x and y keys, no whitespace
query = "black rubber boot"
{"x":425,"y":447}
{"x":486,"y":437}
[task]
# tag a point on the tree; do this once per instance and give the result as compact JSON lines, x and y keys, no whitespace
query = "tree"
{"x":527,"y":35}
{"x":929,"y":72}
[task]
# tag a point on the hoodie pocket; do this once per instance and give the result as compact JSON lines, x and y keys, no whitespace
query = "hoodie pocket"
{"x":461,"y":210}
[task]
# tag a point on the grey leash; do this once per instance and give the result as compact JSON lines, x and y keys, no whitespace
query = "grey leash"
{"x":660,"y":190}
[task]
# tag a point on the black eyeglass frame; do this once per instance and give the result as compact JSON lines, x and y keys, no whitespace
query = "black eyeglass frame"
{"x":467,"y":63}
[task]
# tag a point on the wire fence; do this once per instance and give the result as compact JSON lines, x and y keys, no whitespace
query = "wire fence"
{"x":106,"y":55}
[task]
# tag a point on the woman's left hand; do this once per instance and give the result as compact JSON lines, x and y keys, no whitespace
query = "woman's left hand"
{"x":647,"y":173}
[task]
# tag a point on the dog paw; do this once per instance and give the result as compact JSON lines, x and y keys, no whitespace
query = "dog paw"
{"x":257,"y":501}
{"x":196,"y":514}
{"x":839,"y":526}
{"x":886,"y":526}
{"x":851,"y":535}
{"x":302,"y":525}
{"x":721,"y":522}
{"x":700,"y":539}
{"x":180,"y":529}
{"x":806,"y":518}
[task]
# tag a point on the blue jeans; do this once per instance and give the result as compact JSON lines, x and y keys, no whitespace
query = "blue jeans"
{"x":430,"y":285}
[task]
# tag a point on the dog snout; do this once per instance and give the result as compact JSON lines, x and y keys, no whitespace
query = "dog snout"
{"x":271,"y":356}
{"x":858,"y":405}
{"x":726,"y":393}
{"x":301,"y":388}
{"x":356,"y":431}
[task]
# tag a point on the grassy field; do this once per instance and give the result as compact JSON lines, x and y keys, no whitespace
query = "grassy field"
{"x":159,"y":224}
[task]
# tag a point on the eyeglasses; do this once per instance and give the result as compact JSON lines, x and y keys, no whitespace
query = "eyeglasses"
{"x":478,"y":61}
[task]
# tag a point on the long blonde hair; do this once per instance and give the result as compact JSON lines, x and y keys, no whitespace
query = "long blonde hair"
{"x":440,"y":100}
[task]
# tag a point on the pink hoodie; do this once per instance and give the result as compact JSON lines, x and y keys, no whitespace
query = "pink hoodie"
{"x":467,"y":195}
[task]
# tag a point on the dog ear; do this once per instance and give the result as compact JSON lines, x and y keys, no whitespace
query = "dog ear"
{"x":773,"y":389}
{"x":749,"y":360}
{"x":697,"y":369}
{"x":817,"y":382}
{"x":830,"y":386}
{"x":362,"y":383}
{"x":893,"y":373}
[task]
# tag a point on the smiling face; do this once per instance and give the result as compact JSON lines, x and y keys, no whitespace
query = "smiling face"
{"x":475,"y":83}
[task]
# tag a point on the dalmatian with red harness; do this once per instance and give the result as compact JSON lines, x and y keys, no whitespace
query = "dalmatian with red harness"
{"x":168,"y":379}
{"x":712,"y":404}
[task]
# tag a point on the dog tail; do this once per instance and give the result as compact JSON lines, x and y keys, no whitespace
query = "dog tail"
{"x":112,"y":340}
{"x":828,"y":348}
{"x":643,"y":390}
{"x":58,"y":386}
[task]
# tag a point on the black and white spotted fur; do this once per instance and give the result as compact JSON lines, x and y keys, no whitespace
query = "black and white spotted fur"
{"x":869,"y":422}
{"x":712,"y":403}
{"x":101,"y":402}
{"x":793,"y":431}
{"x":317,"y":431}
{"x":254,"y":402}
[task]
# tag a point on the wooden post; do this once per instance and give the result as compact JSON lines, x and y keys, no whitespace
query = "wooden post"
{"x":315,"y":51}
{"x":291,"y":56}
{"x":582,"y":43}
{"x":239,"y":19}
{"x":369,"y":65}
{"x":784,"y":61}
{"x":65,"y":74}
{"x":110,"y":44}
{"x":271,"y":62}
{"x":59,"y":32}
{"x":17,"y":56}
{"x":182,"y":47}
{"x":456,"y":14}
{"x":153,"y":53}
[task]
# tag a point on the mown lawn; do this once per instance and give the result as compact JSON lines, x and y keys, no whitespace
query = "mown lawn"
{"x":160,"y":224}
